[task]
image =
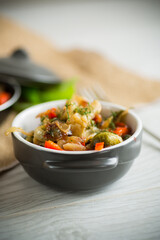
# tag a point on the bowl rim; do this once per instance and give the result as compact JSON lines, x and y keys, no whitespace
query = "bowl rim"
{"x":40,"y":148}
{"x":17,"y":92}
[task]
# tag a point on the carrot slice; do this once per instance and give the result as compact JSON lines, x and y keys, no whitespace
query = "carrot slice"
{"x":50,"y":144}
{"x":99,"y":146}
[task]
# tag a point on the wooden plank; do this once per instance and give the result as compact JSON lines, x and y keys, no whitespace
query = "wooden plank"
{"x":132,"y":216}
{"x":144,"y":174}
{"x":128,"y":209}
{"x":29,"y":191}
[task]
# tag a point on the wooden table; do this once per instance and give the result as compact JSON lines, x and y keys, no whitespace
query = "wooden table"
{"x":128,"y":209}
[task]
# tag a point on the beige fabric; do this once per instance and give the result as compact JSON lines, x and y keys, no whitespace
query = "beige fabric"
{"x":121,"y":86}
{"x":7,"y":159}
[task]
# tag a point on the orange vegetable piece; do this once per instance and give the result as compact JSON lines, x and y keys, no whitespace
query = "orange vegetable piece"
{"x":120,"y":124}
{"x":50,"y":144}
{"x":98,"y":118}
{"x":121,"y":130}
{"x":4,"y":97}
{"x":99,"y":146}
{"x":84,"y":103}
{"x":52,"y":113}
{"x":83,"y":143}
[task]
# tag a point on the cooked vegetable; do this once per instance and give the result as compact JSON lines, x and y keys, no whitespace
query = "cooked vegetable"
{"x":98,"y":118}
{"x":108,"y":138}
{"x":17,"y":129}
{"x":121,"y":129}
{"x":125,"y":137}
{"x":73,"y":147}
{"x":99,"y":146}
{"x":121,"y":115}
{"x":51,"y":113}
{"x":78,"y":126}
{"x":4,"y":97}
{"x":52,"y":145}
{"x":107,"y":122}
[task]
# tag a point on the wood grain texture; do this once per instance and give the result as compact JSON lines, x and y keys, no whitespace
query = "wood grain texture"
{"x":128,"y":209}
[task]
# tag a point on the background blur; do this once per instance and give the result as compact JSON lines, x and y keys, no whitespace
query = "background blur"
{"x":127,"y":32}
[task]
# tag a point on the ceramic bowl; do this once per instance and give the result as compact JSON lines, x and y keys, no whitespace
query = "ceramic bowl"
{"x":78,"y":170}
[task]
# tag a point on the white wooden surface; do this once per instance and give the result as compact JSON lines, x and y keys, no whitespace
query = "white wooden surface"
{"x":129,"y":209}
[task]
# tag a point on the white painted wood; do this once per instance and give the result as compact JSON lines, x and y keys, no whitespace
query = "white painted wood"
{"x":127,"y":210}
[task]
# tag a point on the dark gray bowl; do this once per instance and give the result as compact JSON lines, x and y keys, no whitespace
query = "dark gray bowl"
{"x":14,"y":88}
{"x":75,"y":170}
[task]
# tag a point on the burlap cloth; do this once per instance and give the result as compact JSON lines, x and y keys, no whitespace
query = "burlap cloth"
{"x":120,"y":85}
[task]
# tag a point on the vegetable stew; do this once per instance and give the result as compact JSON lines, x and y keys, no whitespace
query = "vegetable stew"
{"x":79,"y":126}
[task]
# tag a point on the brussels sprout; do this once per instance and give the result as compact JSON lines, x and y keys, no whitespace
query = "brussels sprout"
{"x":108,"y":138}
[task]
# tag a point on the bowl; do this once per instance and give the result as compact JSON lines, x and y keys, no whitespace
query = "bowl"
{"x":11,"y":86}
{"x":75,"y":170}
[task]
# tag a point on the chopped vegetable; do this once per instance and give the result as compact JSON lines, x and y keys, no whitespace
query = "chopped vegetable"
{"x":83,"y":142}
{"x":121,"y":130}
{"x":120,"y":124}
{"x":51,"y":113}
{"x":108,"y":138}
{"x":107,"y":122}
{"x":4,"y":97}
{"x":99,"y":146}
{"x":52,"y":145}
{"x":78,"y":126}
{"x":125,"y":137}
{"x":98,"y":118}
{"x":121,"y":115}
{"x":17,"y":129}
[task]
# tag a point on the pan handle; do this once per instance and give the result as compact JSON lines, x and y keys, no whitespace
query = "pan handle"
{"x":82,"y":165}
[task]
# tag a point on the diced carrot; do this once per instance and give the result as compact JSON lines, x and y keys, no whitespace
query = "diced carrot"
{"x":4,"y":97}
{"x":83,"y":143}
{"x":99,"y":146}
{"x":98,"y":118}
{"x":52,"y":113}
{"x":121,"y":130}
{"x":120,"y":124}
{"x":50,"y":144}
{"x":84,"y":103}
